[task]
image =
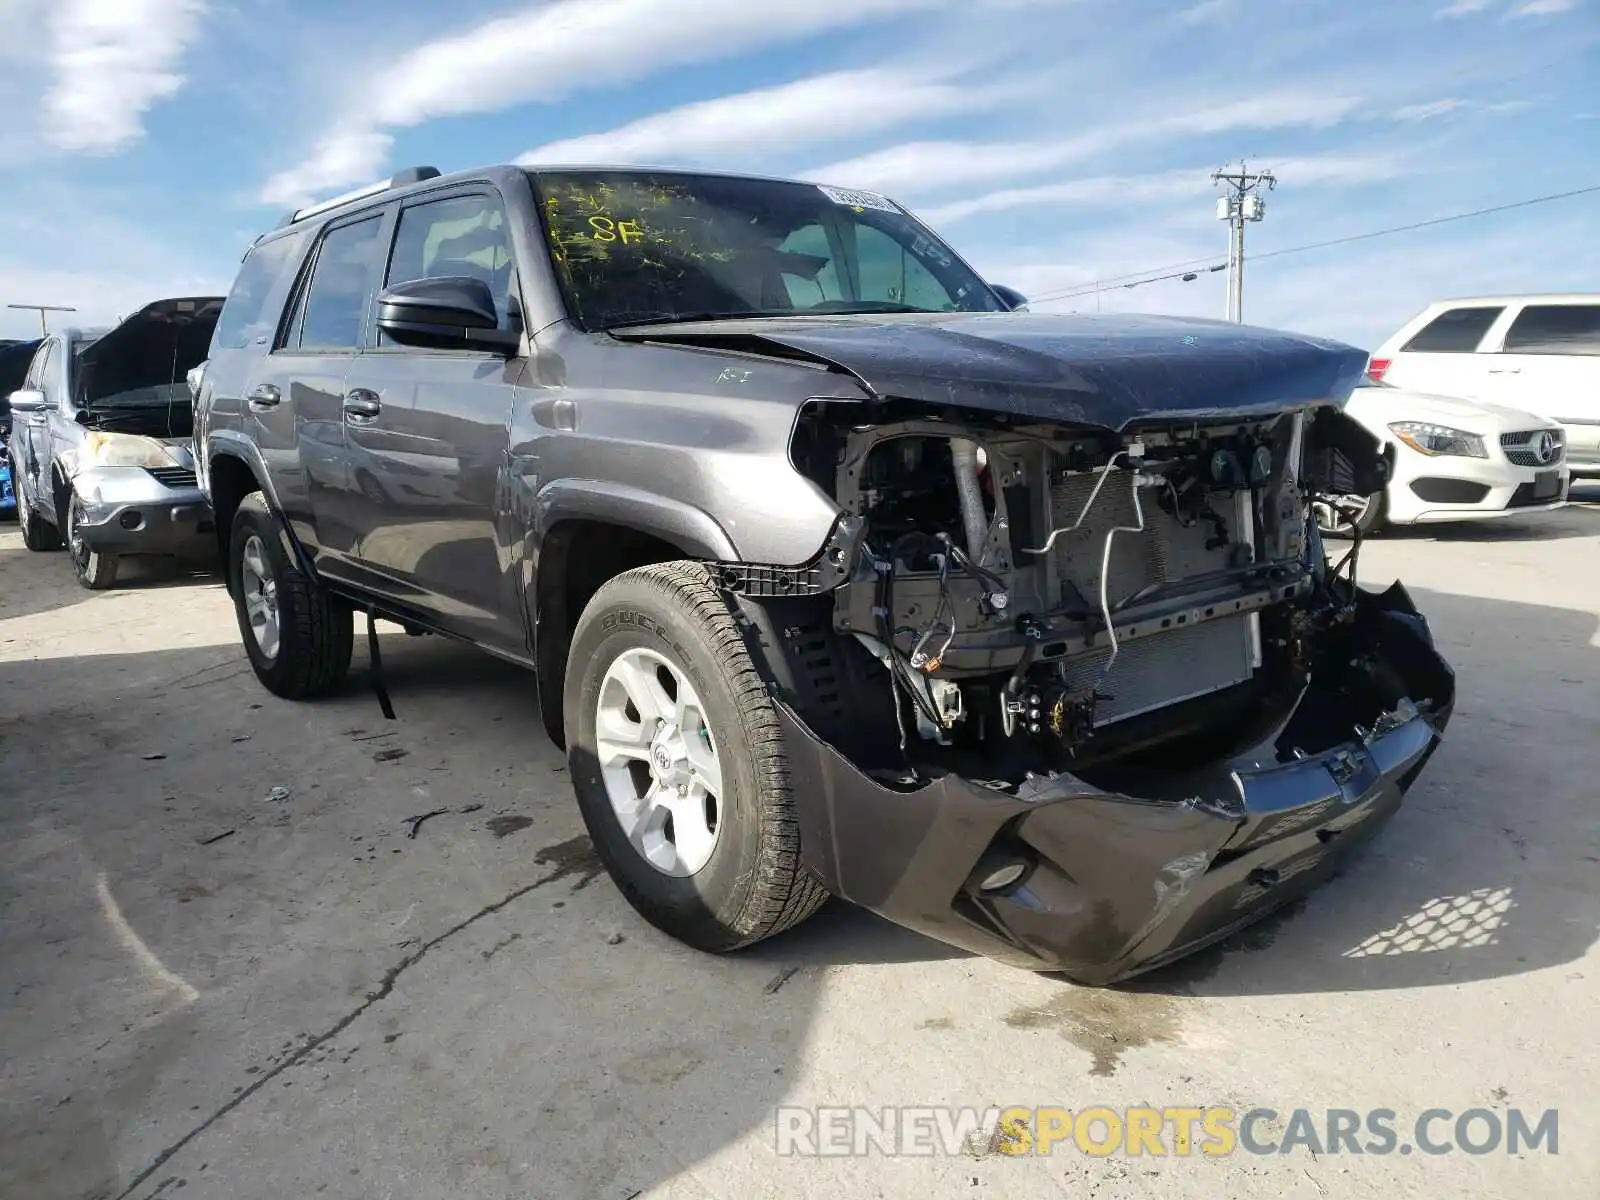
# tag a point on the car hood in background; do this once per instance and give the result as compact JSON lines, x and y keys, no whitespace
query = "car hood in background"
{"x":1379,"y":406}
{"x":1109,"y":371}
{"x":199,"y":311}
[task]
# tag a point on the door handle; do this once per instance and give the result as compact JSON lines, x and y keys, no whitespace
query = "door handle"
{"x":264,"y":396}
{"x":556,"y":414}
{"x":361,"y":406}
{"x":1505,"y":370}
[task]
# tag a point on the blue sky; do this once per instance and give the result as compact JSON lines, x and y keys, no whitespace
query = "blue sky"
{"x":1054,"y":142}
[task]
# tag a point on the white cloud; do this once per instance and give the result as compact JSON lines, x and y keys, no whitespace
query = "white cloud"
{"x":1544,"y":8}
{"x":783,"y":117}
{"x":112,"y":61}
{"x":548,"y":51}
{"x":1428,"y":111}
{"x":339,"y":156}
{"x":921,"y":166}
{"x":1105,"y":190}
{"x":1109,"y":191}
{"x":1464,"y":8}
{"x":1207,"y":12}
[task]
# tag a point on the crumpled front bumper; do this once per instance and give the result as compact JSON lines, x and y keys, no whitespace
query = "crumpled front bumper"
{"x":128,"y":510}
{"x":1112,"y":884}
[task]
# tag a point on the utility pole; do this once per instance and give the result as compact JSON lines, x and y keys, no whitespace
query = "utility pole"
{"x":41,"y":309}
{"x":1243,"y":203}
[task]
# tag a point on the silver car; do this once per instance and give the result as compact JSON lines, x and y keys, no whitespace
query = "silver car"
{"x":101,"y":440}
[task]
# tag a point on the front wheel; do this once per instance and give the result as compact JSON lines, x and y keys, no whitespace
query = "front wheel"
{"x":96,"y":569}
{"x":678,"y":762}
{"x":299,"y":638}
{"x":1346,"y":516}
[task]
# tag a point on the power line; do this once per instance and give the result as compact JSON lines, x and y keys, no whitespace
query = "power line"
{"x":1150,"y":276}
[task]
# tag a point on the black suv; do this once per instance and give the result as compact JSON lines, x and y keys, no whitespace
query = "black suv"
{"x":838,"y":570}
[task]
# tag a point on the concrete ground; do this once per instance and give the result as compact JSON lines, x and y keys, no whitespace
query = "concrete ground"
{"x":226,"y":970}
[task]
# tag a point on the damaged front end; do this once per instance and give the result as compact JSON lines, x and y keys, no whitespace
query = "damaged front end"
{"x":1081,"y":699}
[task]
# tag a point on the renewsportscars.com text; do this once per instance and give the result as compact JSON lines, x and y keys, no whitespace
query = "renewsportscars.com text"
{"x":1159,"y":1132}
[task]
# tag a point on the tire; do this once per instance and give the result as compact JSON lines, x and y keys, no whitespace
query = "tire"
{"x":752,"y":885}
{"x":313,"y":632}
{"x":1372,"y":520}
{"x":96,"y":570}
{"x":37,"y":533}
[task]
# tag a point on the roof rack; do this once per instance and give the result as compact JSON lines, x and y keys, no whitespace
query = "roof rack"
{"x":399,"y":179}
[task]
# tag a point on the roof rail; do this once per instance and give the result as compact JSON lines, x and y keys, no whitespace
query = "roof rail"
{"x":399,"y":179}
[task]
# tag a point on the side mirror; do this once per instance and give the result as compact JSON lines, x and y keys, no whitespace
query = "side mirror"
{"x":457,"y":312}
{"x":1014,"y":299}
{"x":28,"y":400}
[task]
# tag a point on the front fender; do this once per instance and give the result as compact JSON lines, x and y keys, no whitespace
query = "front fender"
{"x":221,"y":442}
{"x":692,"y":530}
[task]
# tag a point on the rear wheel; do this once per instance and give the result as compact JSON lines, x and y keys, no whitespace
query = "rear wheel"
{"x":96,"y":569}
{"x":37,"y":533}
{"x":679,"y":765}
{"x":298,"y":637}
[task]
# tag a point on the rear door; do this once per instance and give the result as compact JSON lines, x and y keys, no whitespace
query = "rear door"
{"x":1548,"y":362}
{"x":431,"y":447}
{"x":1442,"y":357}
{"x":295,"y":403}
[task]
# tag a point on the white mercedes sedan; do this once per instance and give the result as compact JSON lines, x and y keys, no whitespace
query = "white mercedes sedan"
{"x":1455,"y":460}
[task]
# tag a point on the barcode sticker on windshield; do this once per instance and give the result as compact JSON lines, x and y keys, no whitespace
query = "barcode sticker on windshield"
{"x":854,"y":199}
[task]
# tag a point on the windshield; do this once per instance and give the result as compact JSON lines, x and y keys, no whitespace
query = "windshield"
{"x":633,"y":247}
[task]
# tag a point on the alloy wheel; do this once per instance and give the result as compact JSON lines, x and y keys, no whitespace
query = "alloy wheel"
{"x":1341,"y":514}
{"x":659,"y":762}
{"x":75,"y":543}
{"x":260,"y":590}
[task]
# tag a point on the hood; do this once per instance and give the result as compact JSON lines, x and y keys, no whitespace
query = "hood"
{"x":1388,"y":404}
{"x":142,"y":344}
{"x":1108,"y":371}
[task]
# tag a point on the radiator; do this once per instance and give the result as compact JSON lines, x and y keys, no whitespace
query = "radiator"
{"x":1165,"y":668}
{"x":1165,"y":551}
{"x":1179,"y":664}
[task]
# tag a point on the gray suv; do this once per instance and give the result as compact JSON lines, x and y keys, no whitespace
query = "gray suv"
{"x":837,"y":572}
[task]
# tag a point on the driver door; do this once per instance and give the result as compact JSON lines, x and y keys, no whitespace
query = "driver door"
{"x":34,"y":434}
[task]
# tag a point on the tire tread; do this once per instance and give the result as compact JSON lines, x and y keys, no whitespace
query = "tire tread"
{"x":318,"y":626}
{"x":784,"y":892}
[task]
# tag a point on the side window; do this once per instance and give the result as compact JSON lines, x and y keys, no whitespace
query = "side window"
{"x":39,"y":376}
{"x":245,"y":318}
{"x":334,"y":304}
{"x":460,"y":236}
{"x":891,"y":273}
{"x":49,"y":373}
{"x":1555,"y":329}
{"x":36,"y":367}
{"x":1454,"y":331}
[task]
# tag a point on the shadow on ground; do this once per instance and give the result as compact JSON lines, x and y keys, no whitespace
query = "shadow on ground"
{"x":1490,"y":867}
{"x":43,"y":581}
{"x":227,"y":965}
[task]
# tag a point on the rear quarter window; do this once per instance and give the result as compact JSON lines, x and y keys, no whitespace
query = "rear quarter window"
{"x":1454,"y":331}
{"x":246,"y":317}
{"x":1555,"y":329}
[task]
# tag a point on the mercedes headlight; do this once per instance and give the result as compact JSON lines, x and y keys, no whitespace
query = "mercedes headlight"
{"x":124,"y":450}
{"x":1434,"y":440}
